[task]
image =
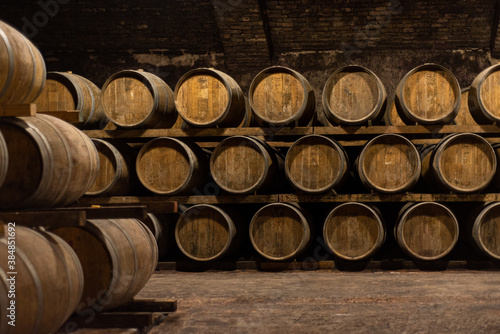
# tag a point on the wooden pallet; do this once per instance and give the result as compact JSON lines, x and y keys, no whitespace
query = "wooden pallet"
{"x":140,"y":314}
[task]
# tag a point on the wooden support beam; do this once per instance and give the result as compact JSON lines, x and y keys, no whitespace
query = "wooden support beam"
{"x":18,"y":110}
{"x":70,"y":116}
{"x":149,"y":305}
{"x":116,"y":320}
{"x":45,"y":218}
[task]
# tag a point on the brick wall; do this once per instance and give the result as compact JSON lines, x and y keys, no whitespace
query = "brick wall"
{"x":242,"y":37}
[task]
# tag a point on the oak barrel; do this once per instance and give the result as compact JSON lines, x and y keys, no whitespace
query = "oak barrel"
{"x":428,"y":94}
{"x":4,"y":159}
{"x":23,"y":72}
{"x":118,"y":257}
{"x":280,"y":231}
{"x":462,"y":162}
{"x":67,"y":92}
{"x":134,"y":99}
{"x":48,"y":285}
{"x":281,"y":96}
{"x":354,"y":231}
{"x":426,"y":230}
{"x":483,"y":96}
{"x":496,"y":178}
{"x":51,"y":163}
{"x":115,"y":169}
{"x":353,"y":95}
{"x":207,"y":97}
{"x":486,"y":231}
{"x":157,"y":224}
{"x":464,"y":116}
{"x":391,"y":116}
{"x":389,"y":163}
{"x":206,"y":232}
{"x":244,"y":164}
{"x":315,"y":164}
{"x":168,"y":166}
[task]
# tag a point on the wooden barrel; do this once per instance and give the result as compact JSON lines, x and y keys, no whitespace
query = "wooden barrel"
{"x":48,"y":285}
{"x":206,"y":97}
{"x":428,"y":94}
{"x":168,"y":166}
{"x":496,"y":178}
{"x":134,"y":99}
{"x":118,"y":257}
{"x":354,"y":231}
{"x":426,"y":230}
{"x":51,"y":163}
{"x":244,"y":164}
{"x":315,"y":164}
{"x":205,"y":232}
{"x":486,"y":231}
{"x":67,"y":92}
{"x":463,"y":162}
{"x":464,"y":116}
{"x":281,"y":96}
{"x":157,"y":224}
{"x":115,"y":168}
{"x":4,"y":159}
{"x":23,"y":73}
{"x":389,"y":163}
{"x":483,"y":96}
{"x":280,"y":231}
{"x":391,"y":116}
{"x":353,"y":95}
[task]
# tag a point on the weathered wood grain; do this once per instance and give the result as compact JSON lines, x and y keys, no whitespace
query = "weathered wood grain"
{"x":426,"y":231}
{"x":354,"y":231}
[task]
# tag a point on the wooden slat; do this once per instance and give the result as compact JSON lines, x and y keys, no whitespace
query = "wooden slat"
{"x":391,"y":198}
{"x":152,"y":204}
{"x":411,"y":129}
{"x":159,"y":202}
{"x":117,"y":320}
{"x":52,"y":218}
{"x":70,"y":116}
{"x":398,"y":264}
{"x":114,"y":212}
{"x":149,"y":305}
{"x":200,"y":132}
{"x":18,"y":110}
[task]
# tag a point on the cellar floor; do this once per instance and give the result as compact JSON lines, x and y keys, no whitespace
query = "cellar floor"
{"x":328,"y":301}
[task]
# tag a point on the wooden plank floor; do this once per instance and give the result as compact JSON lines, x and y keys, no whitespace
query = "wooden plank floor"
{"x":329,"y":301}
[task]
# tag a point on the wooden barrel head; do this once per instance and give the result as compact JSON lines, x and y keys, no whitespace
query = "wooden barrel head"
{"x":389,"y":163}
{"x":315,"y":164}
{"x":239,"y":164}
{"x":97,"y":273}
{"x":279,"y":232}
{"x":164,"y":165}
{"x":59,"y":94}
{"x":202,"y":98}
{"x":353,"y":95}
{"x":391,"y":116}
{"x":277,"y":96}
{"x":111,"y":167}
{"x":464,"y":116}
{"x":353,"y":231}
{"x":489,"y":92}
{"x":25,"y":163}
{"x":4,"y":159}
{"x":465,"y":162}
{"x":486,"y":231}
{"x":128,"y":99}
{"x":427,"y":231}
{"x":429,"y":94}
{"x":204,"y":232}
